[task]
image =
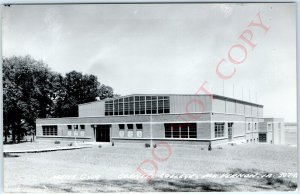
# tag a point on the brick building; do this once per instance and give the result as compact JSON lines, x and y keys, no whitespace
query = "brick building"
{"x":177,"y":119}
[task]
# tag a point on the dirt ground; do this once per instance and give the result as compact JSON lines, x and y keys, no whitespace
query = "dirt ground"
{"x":245,"y":167}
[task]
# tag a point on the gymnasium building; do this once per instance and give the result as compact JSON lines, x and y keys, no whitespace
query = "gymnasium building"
{"x":177,"y":119}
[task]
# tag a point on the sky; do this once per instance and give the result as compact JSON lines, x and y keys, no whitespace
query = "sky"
{"x":166,"y":48}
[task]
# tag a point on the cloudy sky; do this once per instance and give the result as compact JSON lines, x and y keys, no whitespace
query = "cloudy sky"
{"x":165,"y":48}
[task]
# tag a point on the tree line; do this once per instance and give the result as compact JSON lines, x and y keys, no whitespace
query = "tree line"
{"x":32,"y":90}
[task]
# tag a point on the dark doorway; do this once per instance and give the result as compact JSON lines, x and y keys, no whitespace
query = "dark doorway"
{"x":103,"y":133}
{"x":262,"y":137}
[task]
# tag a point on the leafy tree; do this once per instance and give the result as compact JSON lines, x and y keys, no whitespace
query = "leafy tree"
{"x":31,"y":90}
{"x":27,"y":94}
{"x":78,"y":89}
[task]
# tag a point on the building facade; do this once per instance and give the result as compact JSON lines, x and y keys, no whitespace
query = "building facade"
{"x":177,"y":119}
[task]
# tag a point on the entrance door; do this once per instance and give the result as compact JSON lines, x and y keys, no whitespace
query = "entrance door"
{"x":230,"y":126}
{"x":262,"y":137}
{"x":103,"y":133}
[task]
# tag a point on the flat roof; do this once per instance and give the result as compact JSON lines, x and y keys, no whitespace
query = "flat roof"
{"x":214,"y":96}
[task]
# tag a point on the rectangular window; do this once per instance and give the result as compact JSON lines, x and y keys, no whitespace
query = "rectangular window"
{"x":139,"y":130}
{"x":192,"y":130}
{"x":148,"y":107}
{"x":116,"y":107}
{"x":137,"y":107}
{"x":69,"y":130}
{"x":139,"y":126}
{"x":184,"y":130}
{"x":142,"y":105}
{"x":131,"y":105}
{"x":50,"y":130}
{"x":166,"y":104}
{"x":130,"y":126}
{"x":109,"y":109}
{"x":82,"y":130}
{"x":168,"y":131}
{"x":106,"y":109}
{"x":176,"y":132}
{"x":180,"y":130}
{"x":269,"y":127}
{"x":75,"y":127}
{"x":160,"y":105}
{"x":249,"y":126}
{"x":120,"y":101}
{"x":154,"y":107}
{"x":121,"y":130}
{"x":219,"y":129}
{"x":126,"y":106}
{"x":255,"y":126}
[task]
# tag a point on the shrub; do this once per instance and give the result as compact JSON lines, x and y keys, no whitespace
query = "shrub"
{"x":57,"y":142}
{"x":99,"y":146}
{"x":147,"y":145}
{"x":70,"y":144}
{"x":155,"y":146}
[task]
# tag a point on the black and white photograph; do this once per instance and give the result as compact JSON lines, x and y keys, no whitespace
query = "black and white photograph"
{"x":149,"y":97}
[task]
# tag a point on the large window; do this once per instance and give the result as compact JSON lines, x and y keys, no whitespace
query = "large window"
{"x":109,"y":109}
{"x":138,"y":105}
{"x":180,"y":130}
{"x":219,"y":129}
{"x":120,"y":101}
{"x":50,"y":130}
{"x":116,"y":107}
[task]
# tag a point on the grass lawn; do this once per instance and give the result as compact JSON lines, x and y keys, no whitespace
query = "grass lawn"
{"x":111,"y":169}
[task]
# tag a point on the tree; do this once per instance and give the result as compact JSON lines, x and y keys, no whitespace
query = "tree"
{"x":31,"y":90}
{"x":78,"y":89}
{"x":27,"y":94}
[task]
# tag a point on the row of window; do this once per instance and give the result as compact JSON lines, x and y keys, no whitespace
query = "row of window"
{"x":50,"y":130}
{"x":75,"y":130}
{"x":220,"y":129}
{"x":130,"y":131}
{"x":181,"y":130}
{"x":249,"y":126}
{"x":138,"y":105}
